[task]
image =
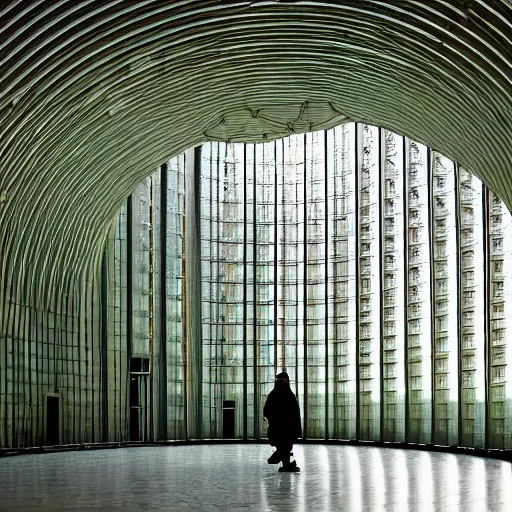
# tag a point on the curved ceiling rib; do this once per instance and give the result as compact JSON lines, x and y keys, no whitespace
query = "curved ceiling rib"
{"x":94,"y":95}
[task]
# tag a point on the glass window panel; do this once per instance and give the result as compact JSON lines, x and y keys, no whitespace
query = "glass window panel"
{"x":119,"y":314}
{"x":174,"y":253}
{"x":472,"y":313}
{"x":418,"y":295}
{"x":290,"y":233}
{"x":265,"y":219}
{"x":316,"y":282}
{"x":224,"y":205}
{"x":140,"y":278}
{"x":445,"y":302}
{"x":405,"y":233}
{"x":369,"y":283}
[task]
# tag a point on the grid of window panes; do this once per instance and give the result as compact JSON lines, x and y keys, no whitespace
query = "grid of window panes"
{"x":222,"y":221}
{"x":174,"y":290}
{"x":341,"y":186}
{"x":472,"y":393}
{"x":418,"y":295}
{"x":264,"y":270}
{"x":316,"y":277}
{"x":290,"y":258}
{"x":119,"y":313}
{"x":141,"y":268}
{"x":369,"y":283}
{"x":370,"y":268}
{"x":393,"y":287}
{"x":445,"y":301}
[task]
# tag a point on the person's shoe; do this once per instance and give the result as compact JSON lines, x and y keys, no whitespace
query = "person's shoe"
{"x":274,"y":458}
{"x":291,"y":467}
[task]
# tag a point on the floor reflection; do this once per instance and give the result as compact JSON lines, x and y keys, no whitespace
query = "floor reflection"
{"x":237,"y":477}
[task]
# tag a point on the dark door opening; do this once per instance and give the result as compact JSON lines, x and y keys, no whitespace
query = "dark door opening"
{"x":52,"y":420}
{"x":228,"y":419}
{"x":139,"y":399}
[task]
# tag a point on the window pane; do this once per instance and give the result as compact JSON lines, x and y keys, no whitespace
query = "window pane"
{"x":472,"y":316}
{"x":316,"y":283}
{"x":342,"y":281}
{"x":393,"y":288}
{"x":369,"y":284}
{"x":418,"y":295}
{"x":445,"y":302}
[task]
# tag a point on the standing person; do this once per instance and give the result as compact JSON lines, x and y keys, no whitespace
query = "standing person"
{"x":283,"y":415}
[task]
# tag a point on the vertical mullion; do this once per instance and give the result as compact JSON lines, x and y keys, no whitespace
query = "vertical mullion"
{"x":90,"y":305}
{"x":244,"y":299}
{"x":459,"y":291}
{"x":487,"y":312}
{"x":358,"y":276}
{"x":129,"y":303}
{"x":5,"y":323}
{"x":184,"y":301}
{"x":219,"y":374}
{"x":275,"y":258}
{"x":432,"y":294}
{"x":381,"y":280}
{"x":405,"y":160}
{"x":151,"y":303}
{"x":73,"y":424}
{"x":326,"y":290}
{"x":296,"y":284}
{"x":211,"y":373}
{"x":104,"y":341}
{"x":305,"y":298}
{"x":163,"y":301}
{"x":254,"y":326}
{"x":37,"y":389}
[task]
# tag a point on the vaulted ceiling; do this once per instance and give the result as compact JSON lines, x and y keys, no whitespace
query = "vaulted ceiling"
{"x":95,"y":94}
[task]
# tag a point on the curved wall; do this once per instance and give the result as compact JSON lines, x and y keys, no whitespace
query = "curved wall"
{"x":370,"y":268}
{"x":94,"y":95}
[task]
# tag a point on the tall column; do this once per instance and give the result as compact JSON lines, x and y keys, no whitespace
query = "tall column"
{"x":192,"y":241}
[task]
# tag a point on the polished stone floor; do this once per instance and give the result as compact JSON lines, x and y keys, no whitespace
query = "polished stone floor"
{"x":237,"y":478}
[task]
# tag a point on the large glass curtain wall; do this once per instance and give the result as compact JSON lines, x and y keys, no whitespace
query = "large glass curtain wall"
{"x":369,"y":267}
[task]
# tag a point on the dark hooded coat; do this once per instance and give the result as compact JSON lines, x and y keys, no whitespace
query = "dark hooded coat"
{"x":283,"y":414}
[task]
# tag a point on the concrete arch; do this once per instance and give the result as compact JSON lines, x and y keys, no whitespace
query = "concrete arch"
{"x":94,"y":95}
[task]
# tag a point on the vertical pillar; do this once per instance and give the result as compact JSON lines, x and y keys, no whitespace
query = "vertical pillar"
{"x":192,"y":241}
{"x":104,"y":343}
{"x":382,"y":269}
{"x":487,"y":314}
{"x":255,"y":353}
{"x":326,"y":296}
{"x":152,"y":435}
{"x":358,"y":276}
{"x":459,"y":294}
{"x":433,"y":292}
{"x":305,"y":397}
{"x":244,"y":300}
{"x":162,"y":403}
{"x":129,"y":301}
{"x":405,"y":193}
